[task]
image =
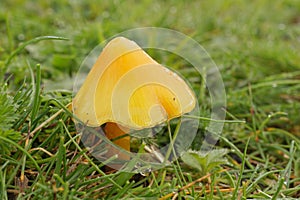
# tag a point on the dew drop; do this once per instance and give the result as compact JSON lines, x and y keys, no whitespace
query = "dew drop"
{"x":145,"y":171}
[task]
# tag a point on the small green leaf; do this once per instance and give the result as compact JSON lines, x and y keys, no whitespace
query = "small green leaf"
{"x":8,"y":115}
{"x":5,"y":148}
{"x":7,"y":110}
{"x":205,"y":162}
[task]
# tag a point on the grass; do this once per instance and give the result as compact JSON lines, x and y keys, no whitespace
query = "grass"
{"x":256,"y":47}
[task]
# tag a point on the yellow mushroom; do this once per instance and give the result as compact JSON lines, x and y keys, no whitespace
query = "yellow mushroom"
{"x":126,"y":89}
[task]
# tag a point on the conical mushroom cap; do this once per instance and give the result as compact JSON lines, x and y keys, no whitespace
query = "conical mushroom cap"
{"x":126,"y":86}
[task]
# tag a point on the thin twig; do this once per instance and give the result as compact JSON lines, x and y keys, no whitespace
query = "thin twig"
{"x":41,"y":149}
{"x":46,"y":122}
{"x":188,"y":186}
{"x":185,"y":187}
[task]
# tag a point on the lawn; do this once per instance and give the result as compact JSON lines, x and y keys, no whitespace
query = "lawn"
{"x":255,"y":46}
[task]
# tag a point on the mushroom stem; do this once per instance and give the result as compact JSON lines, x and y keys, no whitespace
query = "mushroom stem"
{"x":116,"y":131}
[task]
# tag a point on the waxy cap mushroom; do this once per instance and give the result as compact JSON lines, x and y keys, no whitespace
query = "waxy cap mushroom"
{"x":159,"y":94}
{"x":127,"y":87}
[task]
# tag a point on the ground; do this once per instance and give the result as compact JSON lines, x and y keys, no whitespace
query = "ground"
{"x":255,"y":46}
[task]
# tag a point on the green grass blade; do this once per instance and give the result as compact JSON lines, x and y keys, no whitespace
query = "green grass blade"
{"x":237,"y":186}
{"x":23,"y":45}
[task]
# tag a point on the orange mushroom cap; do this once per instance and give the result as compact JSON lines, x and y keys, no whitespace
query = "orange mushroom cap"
{"x":126,"y":86}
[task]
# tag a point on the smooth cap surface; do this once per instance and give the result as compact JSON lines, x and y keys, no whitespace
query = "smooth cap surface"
{"x":126,"y":86}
